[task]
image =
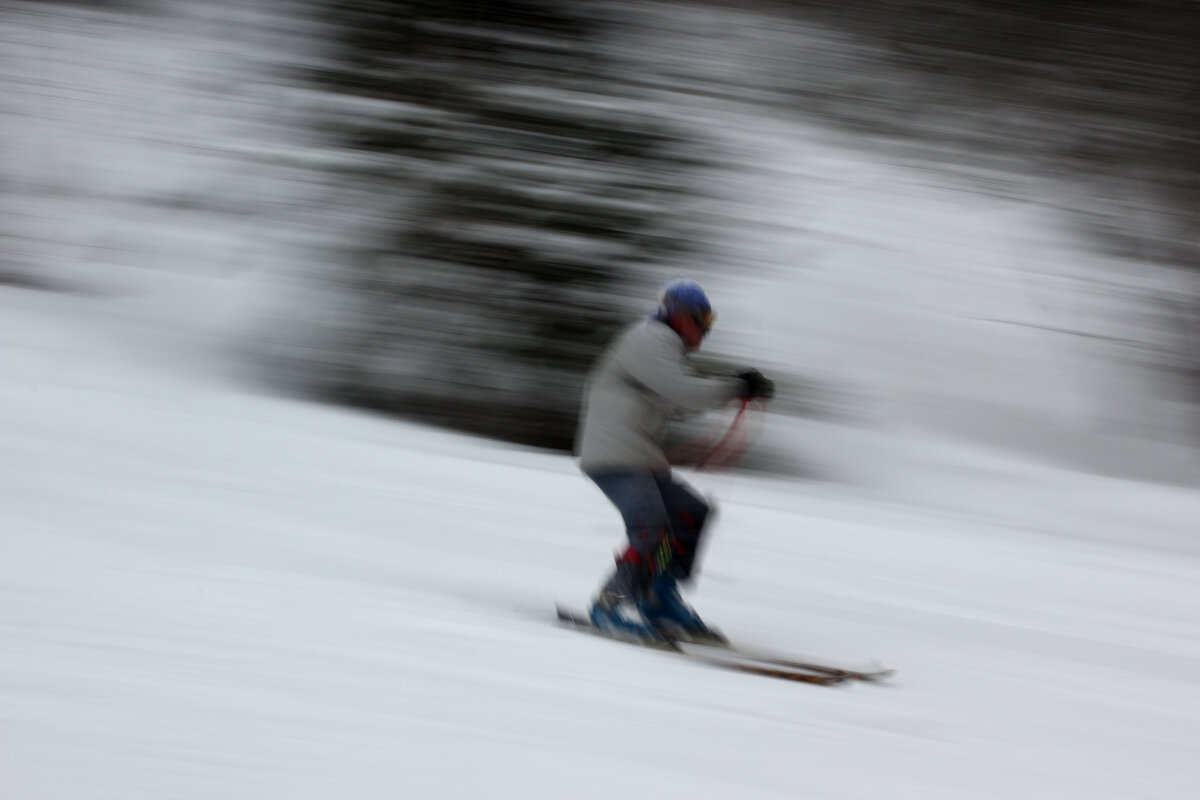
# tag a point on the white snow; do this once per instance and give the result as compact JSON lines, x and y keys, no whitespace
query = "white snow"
{"x":208,"y":591}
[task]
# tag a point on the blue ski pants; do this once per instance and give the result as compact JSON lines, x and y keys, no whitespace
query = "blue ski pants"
{"x":664,"y":518}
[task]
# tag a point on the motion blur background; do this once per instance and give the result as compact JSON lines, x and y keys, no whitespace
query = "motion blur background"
{"x":976,"y":217}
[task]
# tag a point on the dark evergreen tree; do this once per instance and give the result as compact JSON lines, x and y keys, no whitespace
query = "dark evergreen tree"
{"x":507,"y":193}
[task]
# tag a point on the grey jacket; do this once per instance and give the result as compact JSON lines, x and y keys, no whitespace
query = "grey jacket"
{"x":642,"y":379}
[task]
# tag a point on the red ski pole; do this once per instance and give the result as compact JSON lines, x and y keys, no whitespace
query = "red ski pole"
{"x":735,"y":427}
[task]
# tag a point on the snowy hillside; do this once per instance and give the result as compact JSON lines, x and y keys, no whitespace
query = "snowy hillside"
{"x":921,"y":295}
{"x":207,"y":591}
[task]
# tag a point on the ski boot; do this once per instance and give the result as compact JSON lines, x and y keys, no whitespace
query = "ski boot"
{"x":664,"y":610}
{"x":616,"y":607}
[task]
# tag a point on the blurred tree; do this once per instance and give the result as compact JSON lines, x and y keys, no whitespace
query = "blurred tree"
{"x":506,"y":192}
{"x":1116,"y":82}
{"x":1101,"y":93}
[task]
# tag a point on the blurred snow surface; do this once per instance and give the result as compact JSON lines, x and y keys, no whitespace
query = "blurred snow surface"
{"x":208,"y":591}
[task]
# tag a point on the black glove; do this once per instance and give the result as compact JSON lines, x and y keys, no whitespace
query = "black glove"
{"x":755,"y":385}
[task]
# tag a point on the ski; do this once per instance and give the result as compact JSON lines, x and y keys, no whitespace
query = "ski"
{"x":717,"y":655}
{"x":870,"y":675}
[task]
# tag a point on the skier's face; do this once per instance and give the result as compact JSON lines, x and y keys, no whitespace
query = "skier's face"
{"x":692,"y":328}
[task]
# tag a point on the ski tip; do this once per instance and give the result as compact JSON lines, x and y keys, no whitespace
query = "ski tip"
{"x":876,"y":672}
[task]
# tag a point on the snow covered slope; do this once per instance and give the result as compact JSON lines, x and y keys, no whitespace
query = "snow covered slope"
{"x":211,"y":593}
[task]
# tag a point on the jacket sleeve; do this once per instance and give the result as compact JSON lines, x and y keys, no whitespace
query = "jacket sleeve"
{"x":664,"y":370}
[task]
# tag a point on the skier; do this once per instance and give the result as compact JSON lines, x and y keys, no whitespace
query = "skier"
{"x":644,"y":378}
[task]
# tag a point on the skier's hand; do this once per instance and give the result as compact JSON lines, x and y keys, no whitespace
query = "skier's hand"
{"x":755,"y":385}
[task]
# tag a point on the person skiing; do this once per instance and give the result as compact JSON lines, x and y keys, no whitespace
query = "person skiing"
{"x":643,"y":378}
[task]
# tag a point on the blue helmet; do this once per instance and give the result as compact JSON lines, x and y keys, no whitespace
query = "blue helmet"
{"x":685,"y":296}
